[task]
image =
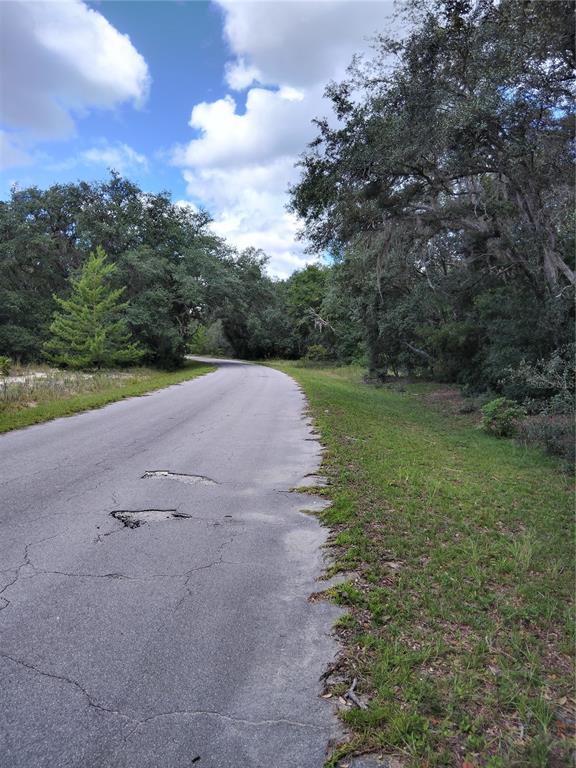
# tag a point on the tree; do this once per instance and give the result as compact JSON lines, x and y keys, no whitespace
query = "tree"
{"x":178,"y":274}
{"x":176,"y":271}
{"x":446,"y":186}
{"x":306,"y":289}
{"x":90,"y":330}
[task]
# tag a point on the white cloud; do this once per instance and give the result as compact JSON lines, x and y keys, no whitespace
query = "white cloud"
{"x":240,"y":75}
{"x":304,"y":42}
{"x":119,"y":156}
{"x":274,"y":123}
{"x":59,"y":59}
{"x":242,"y":160}
{"x":11,"y":153}
{"x":187,"y":205}
{"x":249,"y":207}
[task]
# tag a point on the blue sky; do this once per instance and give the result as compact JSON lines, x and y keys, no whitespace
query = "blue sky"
{"x":183,"y":45}
{"x":212,"y":101}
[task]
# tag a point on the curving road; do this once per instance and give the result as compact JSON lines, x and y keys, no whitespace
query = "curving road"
{"x":175,"y":633}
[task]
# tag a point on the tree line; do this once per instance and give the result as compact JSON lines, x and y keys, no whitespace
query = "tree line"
{"x":175,"y":278}
{"x":107,"y":274}
{"x":444,"y":192}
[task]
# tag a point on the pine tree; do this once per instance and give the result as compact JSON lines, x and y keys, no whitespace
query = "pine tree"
{"x":90,"y":330}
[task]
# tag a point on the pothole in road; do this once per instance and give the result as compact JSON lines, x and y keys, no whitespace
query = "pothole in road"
{"x":180,"y":477}
{"x":136,"y":517}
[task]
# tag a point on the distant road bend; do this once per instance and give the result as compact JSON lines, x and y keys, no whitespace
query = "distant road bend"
{"x":154,"y":575}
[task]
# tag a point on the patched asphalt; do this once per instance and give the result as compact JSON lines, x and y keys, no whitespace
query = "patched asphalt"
{"x":154,"y":580}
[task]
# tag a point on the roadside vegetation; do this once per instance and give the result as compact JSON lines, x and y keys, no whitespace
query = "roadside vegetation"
{"x":459,"y":560}
{"x":32,"y":394}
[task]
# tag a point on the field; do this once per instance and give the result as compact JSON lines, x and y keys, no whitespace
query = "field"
{"x":458,"y":552}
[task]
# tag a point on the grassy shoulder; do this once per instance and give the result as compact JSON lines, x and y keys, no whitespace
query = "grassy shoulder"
{"x":460,"y":552}
{"x":54,"y":394}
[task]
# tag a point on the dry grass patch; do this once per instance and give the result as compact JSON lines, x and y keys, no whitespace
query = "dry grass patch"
{"x":33,"y":394}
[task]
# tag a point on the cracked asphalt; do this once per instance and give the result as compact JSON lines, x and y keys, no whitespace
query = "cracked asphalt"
{"x":185,"y":640}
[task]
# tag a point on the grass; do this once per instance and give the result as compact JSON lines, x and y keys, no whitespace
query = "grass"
{"x":62,"y":393}
{"x":460,"y":554}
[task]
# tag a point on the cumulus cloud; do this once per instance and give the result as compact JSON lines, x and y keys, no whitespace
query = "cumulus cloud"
{"x":242,"y":159}
{"x":187,"y":205}
{"x":273,"y":123}
{"x":302,"y":43}
{"x":63,"y":58}
{"x":116,"y":156}
{"x":249,"y":208}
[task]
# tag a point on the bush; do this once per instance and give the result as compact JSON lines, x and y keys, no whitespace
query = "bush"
{"x":548,"y":384}
{"x":500,"y":417}
{"x":553,"y":433}
{"x":5,"y":365}
{"x":451,"y":345}
{"x":317,"y":353}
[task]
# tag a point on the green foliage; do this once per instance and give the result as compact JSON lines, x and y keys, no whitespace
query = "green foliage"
{"x":317,"y":353}
{"x":341,"y":308}
{"x":444,"y":189}
{"x":198,"y":340}
{"x":500,"y":417}
{"x":305,"y":292}
{"x":210,"y":340}
{"x":178,"y":275}
{"x":549,"y":383}
{"x":5,"y":365}
{"x":252,"y":312}
{"x":90,"y":329}
{"x":450,"y":345}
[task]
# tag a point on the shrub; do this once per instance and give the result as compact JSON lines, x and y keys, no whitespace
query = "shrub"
{"x":5,"y":365}
{"x":553,"y":433}
{"x":317,"y":353}
{"x":451,"y":344}
{"x":548,"y":384}
{"x":500,"y":417}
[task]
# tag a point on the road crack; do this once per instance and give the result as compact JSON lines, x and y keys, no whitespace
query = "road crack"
{"x":27,"y":562}
{"x":267,"y":723}
{"x":70,"y":681}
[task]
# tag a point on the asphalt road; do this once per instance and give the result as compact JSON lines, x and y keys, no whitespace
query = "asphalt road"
{"x":183,"y":641}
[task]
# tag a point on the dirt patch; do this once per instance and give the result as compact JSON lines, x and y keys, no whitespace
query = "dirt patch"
{"x":450,"y":401}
